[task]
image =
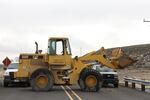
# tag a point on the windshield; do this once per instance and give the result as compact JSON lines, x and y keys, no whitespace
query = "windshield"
{"x":104,"y":69}
{"x":13,"y":66}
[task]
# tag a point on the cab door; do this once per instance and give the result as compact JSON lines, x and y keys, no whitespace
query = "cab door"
{"x":59,"y":57}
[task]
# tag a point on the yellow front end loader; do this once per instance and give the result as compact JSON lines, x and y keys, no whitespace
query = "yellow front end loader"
{"x":57,"y":67}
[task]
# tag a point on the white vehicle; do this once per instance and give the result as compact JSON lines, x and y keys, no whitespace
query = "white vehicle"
{"x":108,"y":74}
{"x":13,"y":67}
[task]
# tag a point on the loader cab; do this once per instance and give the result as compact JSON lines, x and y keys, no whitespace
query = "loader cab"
{"x":59,"y":52}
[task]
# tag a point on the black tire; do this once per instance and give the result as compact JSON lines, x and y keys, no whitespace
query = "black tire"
{"x":81,"y":84}
{"x":5,"y":84}
{"x":82,"y":80}
{"x":46,"y":73}
{"x":116,"y":85}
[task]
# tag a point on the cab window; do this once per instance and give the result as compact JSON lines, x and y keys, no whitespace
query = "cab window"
{"x":59,"y":48}
{"x":52,"y":47}
{"x":56,"y":47}
{"x":68,"y":48}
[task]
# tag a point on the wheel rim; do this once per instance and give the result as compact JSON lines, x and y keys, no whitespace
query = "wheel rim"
{"x":41,"y":81}
{"x":91,"y":81}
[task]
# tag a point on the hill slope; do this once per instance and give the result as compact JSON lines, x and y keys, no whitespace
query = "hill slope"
{"x":141,"y":53}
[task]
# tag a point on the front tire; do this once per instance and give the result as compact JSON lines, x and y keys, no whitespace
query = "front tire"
{"x":90,"y":80}
{"x":41,"y":80}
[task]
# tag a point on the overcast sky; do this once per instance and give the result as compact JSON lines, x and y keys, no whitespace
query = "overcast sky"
{"x":89,"y":24}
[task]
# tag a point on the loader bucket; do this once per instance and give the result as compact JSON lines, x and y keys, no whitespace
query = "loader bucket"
{"x":120,"y":59}
{"x":125,"y":61}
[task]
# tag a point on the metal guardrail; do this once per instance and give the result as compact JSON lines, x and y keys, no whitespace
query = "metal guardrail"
{"x":134,"y":81}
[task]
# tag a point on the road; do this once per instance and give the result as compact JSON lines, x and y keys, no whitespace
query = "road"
{"x":72,"y":93}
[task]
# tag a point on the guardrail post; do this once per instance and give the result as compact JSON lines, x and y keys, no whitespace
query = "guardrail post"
{"x":126,"y":83}
{"x":133,"y":85}
{"x":142,"y":87}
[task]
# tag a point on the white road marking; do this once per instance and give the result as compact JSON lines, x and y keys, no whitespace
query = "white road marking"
{"x":74,"y":93}
{"x":67,"y":93}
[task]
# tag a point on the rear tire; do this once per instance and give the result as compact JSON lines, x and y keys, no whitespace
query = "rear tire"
{"x":90,"y":80}
{"x":41,"y":80}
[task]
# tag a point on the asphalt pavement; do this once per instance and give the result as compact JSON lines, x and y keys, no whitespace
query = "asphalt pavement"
{"x":72,"y":93}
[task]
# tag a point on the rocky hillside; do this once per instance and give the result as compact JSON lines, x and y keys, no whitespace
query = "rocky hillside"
{"x":141,"y":53}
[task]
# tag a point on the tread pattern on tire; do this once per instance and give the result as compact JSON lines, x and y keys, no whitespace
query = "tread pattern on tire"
{"x":39,"y":72}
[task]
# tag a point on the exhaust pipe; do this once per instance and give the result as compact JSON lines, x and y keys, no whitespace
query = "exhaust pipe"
{"x":36,"y":52}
